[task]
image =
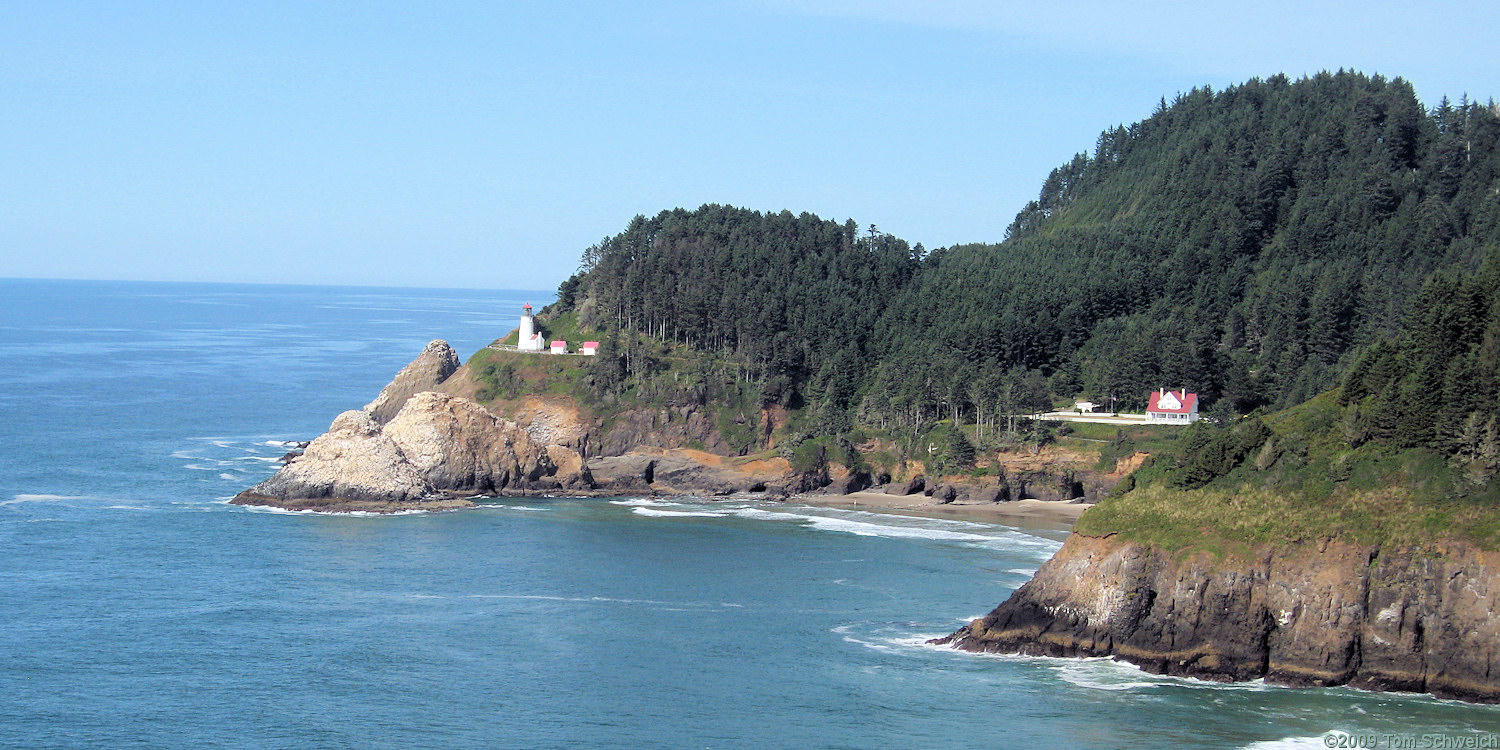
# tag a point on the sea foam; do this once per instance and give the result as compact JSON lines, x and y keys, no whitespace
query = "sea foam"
{"x":1329,"y":738}
{"x":307,"y":512}
{"x":855,"y":522}
{"x":42,"y":499}
{"x":660,"y":513}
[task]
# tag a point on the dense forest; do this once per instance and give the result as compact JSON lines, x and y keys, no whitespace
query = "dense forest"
{"x":1436,"y":383}
{"x":1257,"y":245}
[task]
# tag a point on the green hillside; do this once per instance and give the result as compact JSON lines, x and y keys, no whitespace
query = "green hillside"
{"x":1405,"y":450}
{"x":1252,"y":245}
{"x":1241,"y":243}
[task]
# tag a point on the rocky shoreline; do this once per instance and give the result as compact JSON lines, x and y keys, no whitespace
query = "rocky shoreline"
{"x":423,"y":444}
{"x":420,"y":446}
{"x":1330,"y":613}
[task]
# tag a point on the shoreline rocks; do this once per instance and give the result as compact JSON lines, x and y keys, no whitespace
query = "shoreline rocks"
{"x":1332,"y":613}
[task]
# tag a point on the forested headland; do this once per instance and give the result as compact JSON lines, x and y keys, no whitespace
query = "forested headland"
{"x":1258,"y":245}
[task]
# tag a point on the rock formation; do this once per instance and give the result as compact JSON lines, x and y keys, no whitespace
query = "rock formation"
{"x":351,"y":465}
{"x":910,"y":487}
{"x":437,"y":449}
{"x":679,"y":471}
{"x":420,"y":444}
{"x":850,"y":482}
{"x":416,"y":448}
{"x":459,"y":445}
{"x":1056,"y":484}
{"x":425,"y":373}
{"x":1409,"y":619}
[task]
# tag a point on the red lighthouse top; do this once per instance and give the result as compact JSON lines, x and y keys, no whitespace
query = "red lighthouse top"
{"x":526,"y":306}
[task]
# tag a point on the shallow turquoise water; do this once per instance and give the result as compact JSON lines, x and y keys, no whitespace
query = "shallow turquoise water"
{"x":138,"y":609}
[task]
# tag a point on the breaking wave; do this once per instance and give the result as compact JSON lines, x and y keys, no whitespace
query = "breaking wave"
{"x":348,"y":513}
{"x":1297,"y":743}
{"x":661,"y":513}
{"x":858,"y":523}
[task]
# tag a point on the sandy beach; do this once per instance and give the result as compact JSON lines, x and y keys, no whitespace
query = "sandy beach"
{"x":1024,"y":513}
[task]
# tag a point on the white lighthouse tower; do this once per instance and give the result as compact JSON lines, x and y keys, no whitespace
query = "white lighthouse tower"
{"x":530,"y":340}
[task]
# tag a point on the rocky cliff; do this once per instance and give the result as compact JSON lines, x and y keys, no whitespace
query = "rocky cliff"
{"x":1411,"y":619}
{"x":422,"y":445}
{"x":413,"y":447}
{"x":434,"y":451}
{"x":560,"y":418}
{"x":425,"y":373}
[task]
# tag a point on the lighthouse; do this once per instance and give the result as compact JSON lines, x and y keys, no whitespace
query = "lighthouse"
{"x":529,"y":340}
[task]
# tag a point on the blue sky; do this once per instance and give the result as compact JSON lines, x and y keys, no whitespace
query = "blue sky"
{"x":457,"y":144}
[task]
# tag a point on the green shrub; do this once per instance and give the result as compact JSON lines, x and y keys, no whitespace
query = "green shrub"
{"x":810,"y":456}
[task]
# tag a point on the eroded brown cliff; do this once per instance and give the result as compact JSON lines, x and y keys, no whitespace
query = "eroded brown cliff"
{"x":1411,"y":619}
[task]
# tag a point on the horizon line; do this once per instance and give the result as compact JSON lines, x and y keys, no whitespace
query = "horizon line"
{"x":552,"y":290}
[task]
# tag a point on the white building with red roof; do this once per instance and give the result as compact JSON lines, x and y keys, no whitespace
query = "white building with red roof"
{"x":1172,"y":407}
{"x":529,"y":339}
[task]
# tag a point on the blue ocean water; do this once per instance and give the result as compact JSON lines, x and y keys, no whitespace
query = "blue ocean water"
{"x":139,"y":609}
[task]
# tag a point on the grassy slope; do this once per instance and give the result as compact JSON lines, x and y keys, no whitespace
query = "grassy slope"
{"x":1114,"y":443}
{"x":679,"y":376}
{"x":1311,"y":486}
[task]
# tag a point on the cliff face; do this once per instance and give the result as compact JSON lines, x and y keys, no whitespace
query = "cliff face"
{"x":685,"y":472}
{"x":560,"y":419}
{"x":674,"y":427}
{"x":1409,"y":619}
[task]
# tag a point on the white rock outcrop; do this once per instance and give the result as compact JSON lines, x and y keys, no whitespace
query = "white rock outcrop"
{"x":352,"y":463}
{"x":434,"y":365}
{"x":432,"y":450}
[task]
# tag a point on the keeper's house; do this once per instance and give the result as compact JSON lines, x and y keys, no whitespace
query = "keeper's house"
{"x":1172,"y":407}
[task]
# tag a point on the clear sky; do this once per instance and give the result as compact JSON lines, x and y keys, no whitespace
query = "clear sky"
{"x":486,"y":144}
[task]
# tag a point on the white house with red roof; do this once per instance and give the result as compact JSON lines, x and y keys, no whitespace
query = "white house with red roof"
{"x":559,"y":347}
{"x":589,"y":348}
{"x":1172,"y":407}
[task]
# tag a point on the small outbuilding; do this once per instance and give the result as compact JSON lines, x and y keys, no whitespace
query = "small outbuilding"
{"x":589,"y":348}
{"x":559,"y":347}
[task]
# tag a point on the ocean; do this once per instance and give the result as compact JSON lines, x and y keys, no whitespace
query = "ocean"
{"x":138,"y":609}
